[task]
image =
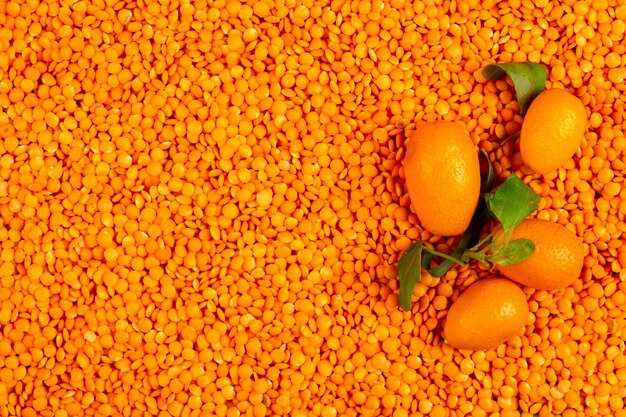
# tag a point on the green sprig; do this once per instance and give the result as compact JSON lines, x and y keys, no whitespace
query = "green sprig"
{"x":509,"y":203}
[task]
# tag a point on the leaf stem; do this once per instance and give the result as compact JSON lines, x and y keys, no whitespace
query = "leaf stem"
{"x":481,"y":216}
{"x":510,"y":137}
{"x":485,"y":240}
{"x":444,"y":256}
{"x":487,"y":181}
{"x":477,"y":256}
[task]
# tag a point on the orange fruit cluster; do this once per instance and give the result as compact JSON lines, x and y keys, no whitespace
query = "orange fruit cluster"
{"x":443,"y":182}
{"x":491,"y":312}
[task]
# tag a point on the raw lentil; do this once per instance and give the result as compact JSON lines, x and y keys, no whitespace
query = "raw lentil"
{"x":202,"y":207}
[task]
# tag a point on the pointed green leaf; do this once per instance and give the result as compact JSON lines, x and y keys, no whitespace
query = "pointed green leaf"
{"x":529,"y":79}
{"x":409,"y":273}
{"x":512,"y":252}
{"x":511,"y":202}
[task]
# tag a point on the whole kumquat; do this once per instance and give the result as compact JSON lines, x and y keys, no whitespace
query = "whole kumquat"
{"x":487,"y":314}
{"x":552,"y":130}
{"x":442,"y":177}
{"x":557,"y":260}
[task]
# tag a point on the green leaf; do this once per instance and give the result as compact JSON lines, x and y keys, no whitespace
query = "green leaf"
{"x":409,"y":273}
{"x":512,"y":252}
{"x":529,"y":79}
{"x":511,"y":202}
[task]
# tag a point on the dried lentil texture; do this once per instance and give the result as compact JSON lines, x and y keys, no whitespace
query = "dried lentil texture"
{"x":202,"y":207}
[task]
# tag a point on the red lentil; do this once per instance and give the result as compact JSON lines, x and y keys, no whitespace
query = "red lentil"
{"x":202,"y":207}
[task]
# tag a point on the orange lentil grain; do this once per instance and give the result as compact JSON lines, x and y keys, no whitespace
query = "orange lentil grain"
{"x":202,"y":207}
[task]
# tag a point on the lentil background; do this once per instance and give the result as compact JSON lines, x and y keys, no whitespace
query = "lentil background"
{"x":202,"y":207}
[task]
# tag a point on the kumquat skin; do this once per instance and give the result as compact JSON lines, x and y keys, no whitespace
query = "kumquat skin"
{"x":203,"y":205}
